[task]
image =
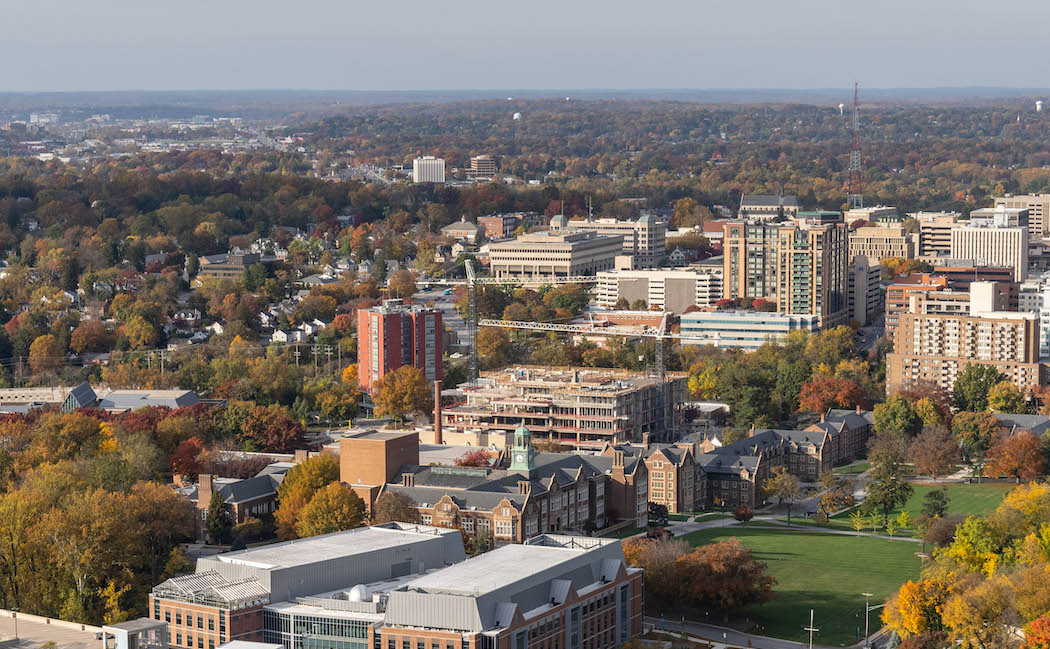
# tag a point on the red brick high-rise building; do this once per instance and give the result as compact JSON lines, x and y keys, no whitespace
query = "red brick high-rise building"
{"x":393,"y":335}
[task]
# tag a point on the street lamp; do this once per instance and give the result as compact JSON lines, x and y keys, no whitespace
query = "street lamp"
{"x":867,"y":609}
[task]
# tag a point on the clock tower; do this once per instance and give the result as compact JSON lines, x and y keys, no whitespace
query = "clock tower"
{"x":522,"y":455}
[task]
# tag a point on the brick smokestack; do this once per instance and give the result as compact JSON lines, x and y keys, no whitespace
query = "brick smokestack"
{"x":437,"y":413}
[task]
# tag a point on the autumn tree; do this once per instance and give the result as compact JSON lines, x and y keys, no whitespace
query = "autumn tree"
{"x":298,"y":488}
{"x":272,"y":429}
{"x":970,"y":391}
{"x":724,"y":576}
{"x":402,"y":284}
{"x":785,"y":487}
{"x":1019,"y":456}
{"x":824,"y":392}
{"x":332,"y":509}
{"x":401,"y":392}
{"x":1005,"y":396}
{"x":915,"y":609}
{"x":185,"y":459}
{"x":974,"y":431}
{"x":91,"y":336}
{"x":140,"y":333}
{"x":45,"y":354}
{"x":395,"y":506}
{"x":933,"y":451}
{"x":476,"y":457}
{"x":493,"y":346}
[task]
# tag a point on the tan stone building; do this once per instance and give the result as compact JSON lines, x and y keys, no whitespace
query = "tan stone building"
{"x":227,"y":266}
{"x":644,"y":239}
{"x":548,"y":254}
{"x":878,"y":243}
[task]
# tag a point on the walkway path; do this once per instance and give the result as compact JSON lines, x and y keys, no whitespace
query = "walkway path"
{"x":720,"y":637}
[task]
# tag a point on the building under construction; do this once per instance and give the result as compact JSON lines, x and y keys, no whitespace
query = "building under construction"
{"x":584,"y":407}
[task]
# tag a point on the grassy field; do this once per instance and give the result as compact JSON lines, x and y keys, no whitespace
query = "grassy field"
{"x":963,"y":500}
{"x":823,"y":572}
{"x":852,"y":469}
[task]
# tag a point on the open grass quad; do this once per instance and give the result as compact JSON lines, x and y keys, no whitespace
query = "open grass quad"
{"x":963,"y":500}
{"x":823,"y":572}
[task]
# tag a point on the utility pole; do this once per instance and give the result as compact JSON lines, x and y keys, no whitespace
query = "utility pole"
{"x":811,"y":629}
{"x":868,"y":609}
{"x":295,"y":353}
{"x":328,"y":351}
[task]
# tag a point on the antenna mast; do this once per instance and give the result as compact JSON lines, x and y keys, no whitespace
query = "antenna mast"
{"x":855,"y":197}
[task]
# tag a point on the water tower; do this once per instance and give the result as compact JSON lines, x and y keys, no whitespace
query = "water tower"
{"x":1039,"y":106}
{"x":842,"y":109}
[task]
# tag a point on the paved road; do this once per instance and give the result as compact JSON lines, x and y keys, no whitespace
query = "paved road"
{"x":724,"y":637}
{"x":34,"y":634}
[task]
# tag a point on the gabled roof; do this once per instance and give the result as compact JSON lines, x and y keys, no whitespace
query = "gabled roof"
{"x":1038,"y":424}
{"x":769,"y":200}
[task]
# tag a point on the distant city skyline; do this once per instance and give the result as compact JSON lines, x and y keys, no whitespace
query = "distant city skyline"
{"x":61,"y":45}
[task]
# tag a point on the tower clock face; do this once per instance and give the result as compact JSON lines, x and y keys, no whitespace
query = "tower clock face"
{"x":519,"y":458}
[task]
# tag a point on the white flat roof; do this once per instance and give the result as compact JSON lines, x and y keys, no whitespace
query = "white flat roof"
{"x":362,"y":540}
{"x":494,"y":570}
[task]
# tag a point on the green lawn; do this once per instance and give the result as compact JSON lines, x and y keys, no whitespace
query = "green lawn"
{"x":852,"y":469}
{"x":823,"y":572}
{"x":963,"y":500}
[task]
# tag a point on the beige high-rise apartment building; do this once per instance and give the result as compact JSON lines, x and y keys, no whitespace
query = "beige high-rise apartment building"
{"x":992,"y":245}
{"x":549,"y":254}
{"x":878,"y":243}
{"x":644,"y":239}
{"x":800,"y":264}
{"x":1038,"y":206}
{"x":428,"y":169}
{"x":934,"y":344}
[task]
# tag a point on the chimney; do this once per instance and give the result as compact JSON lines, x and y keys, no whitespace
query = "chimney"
{"x":822,"y":416}
{"x":524,"y":486}
{"x":858,"y":409}
{"x":437,"y":413}
{"x":203,"y":491}
{"x":618,"y":459}
{"x":408,"y":480}
{"x":301,"y":455}
{"x":645,"y":440}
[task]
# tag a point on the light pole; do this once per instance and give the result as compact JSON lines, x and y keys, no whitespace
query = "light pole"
{"x":867,"y":609}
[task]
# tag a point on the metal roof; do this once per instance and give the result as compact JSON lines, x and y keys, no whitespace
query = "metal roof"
{"x":135,"y":399}
{"x":482,"y":593}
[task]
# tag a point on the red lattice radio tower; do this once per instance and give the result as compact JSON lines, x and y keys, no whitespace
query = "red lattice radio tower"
{"x":854,"y":193}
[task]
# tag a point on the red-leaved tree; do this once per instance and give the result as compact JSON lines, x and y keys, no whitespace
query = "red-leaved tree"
{"x":823,"y":392}
{"x":1019,"y":456}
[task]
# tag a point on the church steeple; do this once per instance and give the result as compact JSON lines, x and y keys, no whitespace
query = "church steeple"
{"x":522,"y":455}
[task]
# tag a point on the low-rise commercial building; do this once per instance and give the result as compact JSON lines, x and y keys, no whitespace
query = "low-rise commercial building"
{"x":747,"y":330}
{"x":644,"y":239}
{"x":668,"y":290}
{"x":227,"y":265}
{"x":549,"y":254}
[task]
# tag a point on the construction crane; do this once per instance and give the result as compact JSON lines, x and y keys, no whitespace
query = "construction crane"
{"x":659,"y":334}
{"x":472,"y":319}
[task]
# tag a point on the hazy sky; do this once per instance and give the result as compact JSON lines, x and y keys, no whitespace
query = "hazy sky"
{"x":467,"y":44}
